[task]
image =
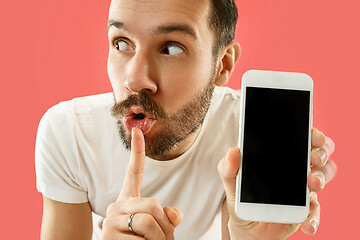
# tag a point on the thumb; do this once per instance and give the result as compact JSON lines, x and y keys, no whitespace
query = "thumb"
{"x":228,"y":168}
{"x":174,"y":214}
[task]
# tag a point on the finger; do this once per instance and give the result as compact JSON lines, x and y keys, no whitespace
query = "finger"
{"x":143,"y":205}
{"x":321,"y":154}
{"x":319,"y":177}
{"x":311,"y":224}
{"x":143,"y":225}
{"x":115,"y":234}
{"x":174,"y":214}
{"x":317,"y":138}
{"x":228,"y":168}
{"x":135,"y":168}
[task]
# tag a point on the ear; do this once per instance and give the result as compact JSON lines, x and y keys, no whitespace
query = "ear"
{"x":228,"y":58}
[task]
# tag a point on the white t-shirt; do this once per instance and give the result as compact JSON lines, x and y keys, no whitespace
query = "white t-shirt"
{"x":79,"y":158}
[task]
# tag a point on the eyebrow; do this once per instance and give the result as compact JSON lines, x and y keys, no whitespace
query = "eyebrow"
{"x":163,"y":29}
{"x":117,"y":24}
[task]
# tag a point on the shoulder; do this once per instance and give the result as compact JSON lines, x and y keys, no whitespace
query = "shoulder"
{"x":226,"y":99}
{"x":78,"y":111}
{"x":227,"y":92}
{"x":221,"y":126}
{"x":69,"y":125}
{"x":81,"y":106}
{"x":69,"y":140}
{"x":226,"y":95}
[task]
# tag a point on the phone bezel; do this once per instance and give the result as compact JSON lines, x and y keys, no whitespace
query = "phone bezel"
{"x":270,"y":212}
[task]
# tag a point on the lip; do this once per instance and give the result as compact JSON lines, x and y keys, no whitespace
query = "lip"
{"x":134,"y":110}
{"x":130,"y":121}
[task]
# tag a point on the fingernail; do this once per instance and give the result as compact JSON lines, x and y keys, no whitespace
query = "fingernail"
{"x":314,"y":224}
{"x":132,"y":131}
{"x":180,"y":214}
{"x":322,"y":154}
{"x":318,"y":175}
{"x":175,"y":212}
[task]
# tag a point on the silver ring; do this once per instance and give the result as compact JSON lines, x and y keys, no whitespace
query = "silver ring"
{"x":130,"y":222}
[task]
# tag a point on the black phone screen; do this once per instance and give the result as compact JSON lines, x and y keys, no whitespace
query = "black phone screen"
{"x":275,"y":146}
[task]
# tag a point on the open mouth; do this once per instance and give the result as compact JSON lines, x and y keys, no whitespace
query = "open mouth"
{"x":136,"y":117}
{"x":139,"y":116}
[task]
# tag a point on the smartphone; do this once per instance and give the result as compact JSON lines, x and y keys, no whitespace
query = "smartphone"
{"x":275,"y":146}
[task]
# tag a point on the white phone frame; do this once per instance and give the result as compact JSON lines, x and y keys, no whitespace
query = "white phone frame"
{"x":268,"y":212}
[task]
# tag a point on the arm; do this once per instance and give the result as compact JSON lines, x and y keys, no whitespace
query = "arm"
{"x":66,"y":221}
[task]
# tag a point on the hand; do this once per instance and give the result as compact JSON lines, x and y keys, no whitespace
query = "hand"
{"x":322,"y":171}
{"x":150,"y":221}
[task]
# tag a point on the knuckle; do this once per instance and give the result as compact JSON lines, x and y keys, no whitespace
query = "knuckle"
{"x":316,"y":204}
{"x":111,"y":209}
{"x":147,"y":221}
{"x":313,"y":196}
{"x":153,"y":204}
{"x":106,"y":223}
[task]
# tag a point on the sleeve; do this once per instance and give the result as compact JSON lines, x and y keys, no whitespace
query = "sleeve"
{"x":56,"y":158}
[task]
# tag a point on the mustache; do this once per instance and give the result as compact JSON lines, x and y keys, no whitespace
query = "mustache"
{"x":143,"y":100}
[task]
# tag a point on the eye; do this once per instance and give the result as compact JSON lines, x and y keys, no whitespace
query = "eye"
{"x":172,"y":49}
{"x":122,"y":45}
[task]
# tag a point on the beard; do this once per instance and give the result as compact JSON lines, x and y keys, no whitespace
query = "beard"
{"x":171,"y":129}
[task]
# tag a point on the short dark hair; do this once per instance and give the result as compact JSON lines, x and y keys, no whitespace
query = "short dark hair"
{"x":222,"y":20}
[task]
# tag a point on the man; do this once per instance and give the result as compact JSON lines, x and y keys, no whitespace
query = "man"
{"x":166,"y":62}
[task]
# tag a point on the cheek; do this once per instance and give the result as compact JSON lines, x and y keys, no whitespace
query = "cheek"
{"x":179,"y":86}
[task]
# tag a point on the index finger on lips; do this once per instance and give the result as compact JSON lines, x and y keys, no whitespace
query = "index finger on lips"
{"x":322,"y":149}
{"x":135,"y":168}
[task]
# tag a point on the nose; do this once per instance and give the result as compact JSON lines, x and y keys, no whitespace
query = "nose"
{"x":141,"y":74}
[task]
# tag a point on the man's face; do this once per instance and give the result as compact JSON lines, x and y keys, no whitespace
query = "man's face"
{"x":161,"y":69}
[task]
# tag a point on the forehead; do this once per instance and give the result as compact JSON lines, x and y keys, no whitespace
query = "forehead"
{"x":151,"y":13}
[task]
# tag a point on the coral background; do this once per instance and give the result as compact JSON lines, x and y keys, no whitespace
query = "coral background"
{"x":54,"y":50}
